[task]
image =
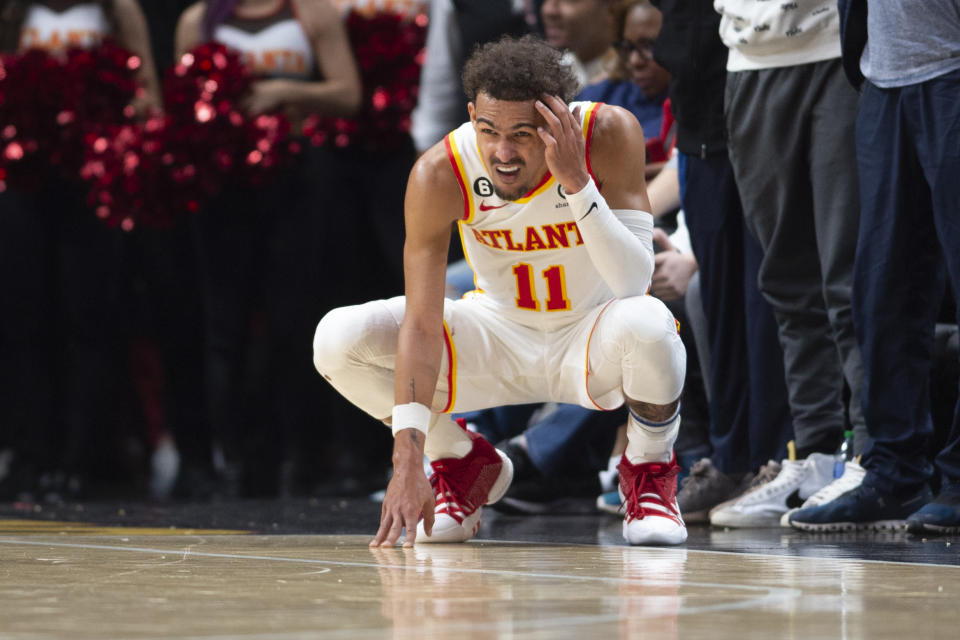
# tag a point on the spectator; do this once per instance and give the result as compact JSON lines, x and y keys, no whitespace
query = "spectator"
{"x":907,"y":141}
{"x":257,"y":244}
{"x":635,"y":81}
{"x":790,"y":117}
{"x":60,"y":278}
{"x":585,"y":30}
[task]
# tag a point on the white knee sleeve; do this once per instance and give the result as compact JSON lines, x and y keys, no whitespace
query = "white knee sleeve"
{"x":649,"y":441}
{"x":641,"y":334}
{"x":354,"y":349}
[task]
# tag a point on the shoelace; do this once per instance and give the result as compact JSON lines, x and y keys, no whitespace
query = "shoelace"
{"x":851,"y":479}
{"x":767,"y":473}
{"x":447,"y":499}
{"x":787,"y":473}
{"x":635,"y":510}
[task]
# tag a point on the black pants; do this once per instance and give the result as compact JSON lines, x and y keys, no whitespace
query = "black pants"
{"x":60,"y":327}
{"x":793,"y":154}
{"x":259,"y":262}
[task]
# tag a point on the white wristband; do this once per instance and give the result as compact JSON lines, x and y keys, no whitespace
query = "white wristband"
{"x":412,"y":415}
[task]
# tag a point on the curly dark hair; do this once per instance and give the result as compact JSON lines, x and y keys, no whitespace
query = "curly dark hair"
{"x":518,"y":69}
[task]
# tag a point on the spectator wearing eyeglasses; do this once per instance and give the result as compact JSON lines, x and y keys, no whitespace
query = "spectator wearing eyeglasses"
{"x":635,"y":81}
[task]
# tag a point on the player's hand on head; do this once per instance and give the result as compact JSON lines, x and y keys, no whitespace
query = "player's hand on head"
{"x":565,"y":149}
{"x":409,"y":495}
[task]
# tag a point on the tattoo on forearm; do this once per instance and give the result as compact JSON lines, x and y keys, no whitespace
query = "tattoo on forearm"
{"x":415,"y":436}
{"x":413,"y":390}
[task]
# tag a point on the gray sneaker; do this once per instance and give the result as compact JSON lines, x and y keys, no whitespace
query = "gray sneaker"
{"x":762,"y":506}
{"x":705,"y":488}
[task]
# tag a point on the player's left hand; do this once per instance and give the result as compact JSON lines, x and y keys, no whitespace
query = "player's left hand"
{"x":565,"y":148}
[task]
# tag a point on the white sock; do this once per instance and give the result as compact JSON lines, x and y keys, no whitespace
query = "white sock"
{"x":446,"y":439}
{"x":649,"y":441}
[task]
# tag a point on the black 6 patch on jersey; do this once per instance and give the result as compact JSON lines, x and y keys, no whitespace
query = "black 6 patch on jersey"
{"x":483,"y":187}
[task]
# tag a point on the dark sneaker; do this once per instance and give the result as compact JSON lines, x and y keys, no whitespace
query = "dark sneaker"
{"x":533,"y":493}
{"x":941,"y":516}
{"x":573,"y":494}
{"x":705,"y":488}
{"x":861,"y":508}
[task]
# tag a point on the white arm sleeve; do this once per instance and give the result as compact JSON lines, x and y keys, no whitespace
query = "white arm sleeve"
{"x":619,"y":244}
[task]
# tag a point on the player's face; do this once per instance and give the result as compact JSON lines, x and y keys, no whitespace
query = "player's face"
{"x":509,"y":144}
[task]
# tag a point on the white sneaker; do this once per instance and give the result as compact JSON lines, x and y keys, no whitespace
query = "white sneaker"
{"x":462,"y":486}
{"x":764,"y":505}
{"x":852,"y":477}
{"x":650,"y":496}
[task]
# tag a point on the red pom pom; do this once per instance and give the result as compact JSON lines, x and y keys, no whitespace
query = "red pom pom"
{"x":389,"y":51}
{"x":54,"y":104}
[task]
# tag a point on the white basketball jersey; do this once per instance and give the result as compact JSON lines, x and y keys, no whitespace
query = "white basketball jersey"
{"x":82,"y":25}
{"x":528,"y":259}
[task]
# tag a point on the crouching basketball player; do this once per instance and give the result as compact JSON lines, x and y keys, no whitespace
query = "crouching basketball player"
{"x":552,"y":210}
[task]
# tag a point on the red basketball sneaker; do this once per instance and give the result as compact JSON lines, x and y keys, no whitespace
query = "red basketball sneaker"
{"x":462,"y":486}
{"x":649,"y":491}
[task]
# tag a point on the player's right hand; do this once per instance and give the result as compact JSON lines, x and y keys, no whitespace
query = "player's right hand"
{"x":409,"y":495}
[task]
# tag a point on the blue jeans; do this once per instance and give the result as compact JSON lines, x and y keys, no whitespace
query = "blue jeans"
{"x":908,"y":154}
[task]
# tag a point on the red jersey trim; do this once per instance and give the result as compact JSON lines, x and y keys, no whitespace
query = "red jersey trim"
{"x":451,"y":369}
{"x":453,"y":154}
{"x":589,"y":120}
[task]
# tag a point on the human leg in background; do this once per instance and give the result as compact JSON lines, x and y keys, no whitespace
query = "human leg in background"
{"x":28,"y":340}
{"x":897,"y":290}
{"x":749,"y":414}
{"x":167,"y":265}
{"x":291,"y":300}
{"x":767,"y":112}
{"x":229,"y":249}
{"x":88,"y":310}
{"x":836,"y":208}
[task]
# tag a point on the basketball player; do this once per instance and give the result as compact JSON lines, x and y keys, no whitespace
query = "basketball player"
{"x":552,"y":209}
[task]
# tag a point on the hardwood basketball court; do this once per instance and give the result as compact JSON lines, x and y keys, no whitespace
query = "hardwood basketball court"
{"x":93,"y":578}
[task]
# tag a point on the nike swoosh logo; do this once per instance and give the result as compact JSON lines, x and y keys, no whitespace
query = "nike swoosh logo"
{"x":589,"y":211}
{"x":485,"y":207}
